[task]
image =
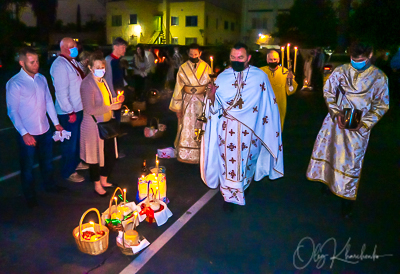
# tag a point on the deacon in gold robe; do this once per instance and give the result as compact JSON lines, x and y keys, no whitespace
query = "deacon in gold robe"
{"x":188,"y":101}
{"x":281,"y":80}
{"x":338,"y":152}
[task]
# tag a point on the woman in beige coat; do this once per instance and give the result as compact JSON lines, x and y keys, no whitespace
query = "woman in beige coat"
{"x":98,"y":102}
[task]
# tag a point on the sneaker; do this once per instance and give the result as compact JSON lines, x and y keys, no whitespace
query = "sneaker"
{"x":76,"y":178}
{"x":82,"y":166}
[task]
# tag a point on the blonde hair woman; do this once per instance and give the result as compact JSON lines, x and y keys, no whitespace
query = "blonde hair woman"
{"x":98,"y":103}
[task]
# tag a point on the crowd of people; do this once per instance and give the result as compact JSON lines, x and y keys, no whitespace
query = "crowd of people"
{"x":231,"y":123}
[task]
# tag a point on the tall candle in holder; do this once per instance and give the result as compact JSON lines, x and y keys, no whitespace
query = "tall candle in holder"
{"x":295,"y":59}
{"x":212,"y":64}
{"x":282,"y":56}
{"x":288,"y":56}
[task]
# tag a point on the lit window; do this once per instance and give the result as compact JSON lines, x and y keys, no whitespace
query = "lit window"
{"x":191,"y":21}
{"x":174,"y":21}
{"x":133,"y":19}
{"x":116,"y":20}
{"x":190,"y":40}
{"x":175,"y":40}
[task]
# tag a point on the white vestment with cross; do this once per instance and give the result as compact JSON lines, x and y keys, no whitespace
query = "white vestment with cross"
{"x":242,"y":137}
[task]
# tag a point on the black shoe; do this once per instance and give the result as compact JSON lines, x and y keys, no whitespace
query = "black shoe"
{"x":31,"y":203}
{"x":101,"y":195}
{"x":56,"y":189}
{"x":228,"y":207}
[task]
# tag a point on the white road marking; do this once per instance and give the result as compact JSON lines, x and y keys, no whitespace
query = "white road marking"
{"x":148,"y":253}
{"x":8,"y":176}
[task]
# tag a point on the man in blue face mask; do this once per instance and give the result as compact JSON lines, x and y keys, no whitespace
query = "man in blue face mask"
{"x":67,"y":77}
{"x":357,"y":97}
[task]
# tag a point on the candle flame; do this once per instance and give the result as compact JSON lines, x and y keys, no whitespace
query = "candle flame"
{"x":92,"y":223}
{"x":211,"y":58}
{"x":288,"y":44}
{"x":135,"y":213}
{"x":115,"y":198}
{"x":295,"y":47}
{"x":282,"y":48}
{"x":124,"y":189}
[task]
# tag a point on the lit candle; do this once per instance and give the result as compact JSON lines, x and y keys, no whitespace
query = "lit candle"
{"x":139,"y":111}
{"x":288,"y":56}
{"x":124,"y":195}
{"x":116,"y":203}
{"x":119,"y":94}
{"x":92,"y":223}
{"x":295,"y":59}
{"x":282,"y":56}
{"x":134,"y":220}
{"x":212,"y":64}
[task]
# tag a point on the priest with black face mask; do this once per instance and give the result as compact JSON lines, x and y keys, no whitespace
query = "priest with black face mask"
{"x":188,"y":101}
{"x":282,"y":81}
{"x":242,"y":139}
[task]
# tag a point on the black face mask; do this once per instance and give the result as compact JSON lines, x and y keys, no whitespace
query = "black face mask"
{"x":194,"y":60}
{"x":237,"y":66}
{"x":273,"y":65}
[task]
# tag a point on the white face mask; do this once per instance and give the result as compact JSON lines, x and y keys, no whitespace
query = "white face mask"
{"x":99,"y":72}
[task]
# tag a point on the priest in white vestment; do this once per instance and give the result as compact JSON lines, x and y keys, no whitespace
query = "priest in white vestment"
{"x":242,"y":138}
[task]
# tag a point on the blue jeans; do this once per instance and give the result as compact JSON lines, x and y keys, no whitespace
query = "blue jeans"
{"x":44,"y":147}
{"x":70,"y":148}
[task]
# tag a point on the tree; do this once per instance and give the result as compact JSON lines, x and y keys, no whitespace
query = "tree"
{"x":377,"y":22}
{"x":309,"y":23}
{"x":46,"y":13}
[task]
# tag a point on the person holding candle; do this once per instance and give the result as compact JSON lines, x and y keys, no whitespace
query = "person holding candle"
{"x":187,"y":102}
{"x":98,"y":103}
{"x":242,"y":138}
{"x":282,"y":82}
{"x":339,"y":150}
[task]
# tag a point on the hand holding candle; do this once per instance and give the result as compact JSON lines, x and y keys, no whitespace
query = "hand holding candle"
{"x":120,"y":96}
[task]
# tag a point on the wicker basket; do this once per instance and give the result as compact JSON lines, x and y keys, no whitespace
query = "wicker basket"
{"x":139,"y":121}
{"x":91,"y":247}
{"x":110,"y":226}
{"x":155,"y":124}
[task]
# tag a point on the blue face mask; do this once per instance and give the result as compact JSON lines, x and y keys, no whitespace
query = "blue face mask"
{"x":99,"y":72}
{"x":73,"y":52}
{"x":358,"y":65}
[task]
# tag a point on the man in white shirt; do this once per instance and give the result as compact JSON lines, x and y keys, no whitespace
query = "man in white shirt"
{"x":28,"y":100}
{"x":67,"y":77}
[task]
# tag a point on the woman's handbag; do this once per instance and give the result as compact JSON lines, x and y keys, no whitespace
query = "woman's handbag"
{"x":109,"y":129}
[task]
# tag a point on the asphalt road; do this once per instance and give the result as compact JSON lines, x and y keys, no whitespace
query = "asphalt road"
{"x":261,"y":237}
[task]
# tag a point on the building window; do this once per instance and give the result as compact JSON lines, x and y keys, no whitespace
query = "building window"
{"x":216,"y":25}
{"x":191,"y":21}
{"x":133,"y":19}
{"x":190,"y":40}
{"x":259,"y":23}
{"x":175,"y":40}
{"x":264,"y":23}
{"x":226,"y":25}
{"x":232,"y":26}
{"x":174,"y":21}
{"x":116,"y":20}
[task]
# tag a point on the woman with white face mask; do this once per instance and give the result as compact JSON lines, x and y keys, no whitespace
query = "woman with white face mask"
{"x":98,"y":103}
